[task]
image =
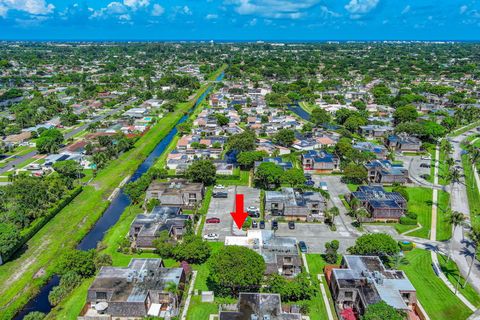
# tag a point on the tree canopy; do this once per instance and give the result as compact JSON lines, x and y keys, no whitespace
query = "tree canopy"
{"x":375,"y":244}
{"x":235,"y":269}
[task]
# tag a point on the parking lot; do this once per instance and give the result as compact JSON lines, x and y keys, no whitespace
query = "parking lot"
{"x":222,"y":207}
{"x":315,"y":235}
{"x":251,"y":196}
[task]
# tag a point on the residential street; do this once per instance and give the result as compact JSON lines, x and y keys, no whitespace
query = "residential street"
{"x":21,"y":159}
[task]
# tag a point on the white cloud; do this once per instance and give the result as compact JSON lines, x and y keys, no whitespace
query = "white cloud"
{"x":277,"y":9}
{"x":463,"y":9}
{"x":136,"y":3}
{"x":329,"y":13}
{"x":186,"y":10}
{"x":211,"y":16}
{"x":358,"y":7}
{"x":157,"y":10}
{"x":406,"y":9}
{"x":35,"y":7}
{"x":124,"y":17}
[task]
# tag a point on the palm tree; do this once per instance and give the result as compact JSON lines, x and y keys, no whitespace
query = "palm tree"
{"x":455,"y":219}
{"x":475,"y":237}
{"x":332,"y":213}
{"x":475,"y":155}
{"x":361,"y":213}
{"x":454,"y":176}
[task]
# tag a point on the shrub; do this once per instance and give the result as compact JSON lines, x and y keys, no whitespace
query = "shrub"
{"x":405,"y":246}
{"x":408,"y":221}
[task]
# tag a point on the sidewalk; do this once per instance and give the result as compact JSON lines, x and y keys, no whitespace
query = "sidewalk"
{"x":189,"y":297}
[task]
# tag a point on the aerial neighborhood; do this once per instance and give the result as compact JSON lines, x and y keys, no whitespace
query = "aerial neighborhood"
{"x":239,"y":181}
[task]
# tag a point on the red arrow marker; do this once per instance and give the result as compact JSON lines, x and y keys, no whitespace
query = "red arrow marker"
{"x":239,"y":215}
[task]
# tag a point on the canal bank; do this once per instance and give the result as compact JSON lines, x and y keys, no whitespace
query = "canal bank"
{"x":111,"y":215}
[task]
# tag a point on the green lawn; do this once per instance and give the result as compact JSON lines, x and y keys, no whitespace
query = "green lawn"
{"x":201,"y":310}
{"x":420,"y":202}
{"x":439,"y":302}
{"x":444,"y":228}
{"x":450,"y":269}
{"x":316,"y":263}
{"x":472,"y":189}
{"x":71,"y":224}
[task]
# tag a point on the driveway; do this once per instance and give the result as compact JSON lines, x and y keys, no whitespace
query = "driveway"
{"x":336,"y":188}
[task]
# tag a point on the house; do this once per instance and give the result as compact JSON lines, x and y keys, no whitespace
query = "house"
{"x":176,"y":193}
{"x":383,"y":171}
{"x":320,"y":161}
{"x":382,"y":206}
{"x":403,"y":142}
{"x":147,"y":227}
{"x":280,"y":253}
{"x":266,"y":306}
{"x":375,"y":131}
{"x":141,"y":289}
{"x":363,"y":280}
{"x":292,"y":204}
{"x":379,"y":151}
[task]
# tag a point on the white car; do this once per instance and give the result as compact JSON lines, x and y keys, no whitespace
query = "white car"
{"x":426,"y":158}
{"x":211,"y":236}
{"x":219,"y":186}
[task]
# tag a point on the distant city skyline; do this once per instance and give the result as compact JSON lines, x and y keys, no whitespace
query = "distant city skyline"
{"x":237,"y":20}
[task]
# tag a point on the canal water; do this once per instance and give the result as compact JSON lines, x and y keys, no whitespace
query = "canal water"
{"x":299,"y":111}
{"x":109,"y":217}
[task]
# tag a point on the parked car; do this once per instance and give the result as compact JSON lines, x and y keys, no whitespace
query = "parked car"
{"x":425,"y":165}
{"x":309,"y":183}
{"x":291,"y":225}
{"x":262,"y":224}
{"x":274,"y":225}
{"x":426,"y":158}
{"x":219,"y":186}
{"x":323,"y":186}
{"x":211,"y":236}
{"x":253,"y":212}
{"x":220,"y":194}
{"x":254,"y":224}
{"x":308,"y":176}
{"x":212,"y":220}
{"x":302,"y":246}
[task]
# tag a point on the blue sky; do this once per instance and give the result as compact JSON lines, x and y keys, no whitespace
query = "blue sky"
{"x":240,"y":19}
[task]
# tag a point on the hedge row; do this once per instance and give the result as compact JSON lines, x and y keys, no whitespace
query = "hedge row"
{"x":28,"y":233}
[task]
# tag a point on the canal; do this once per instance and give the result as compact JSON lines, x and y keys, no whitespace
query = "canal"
{"x":110,"y":216}
{"x":299,"y":111}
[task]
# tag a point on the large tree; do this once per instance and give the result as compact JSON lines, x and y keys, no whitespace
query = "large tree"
{"x":320,"y":116}
{"x":235,"y":269}
{"x":405,"y":114}
{"x":49,"y":141}
{"x":247,"y":158}
{"x":202,"y":171}
{"x":375,"y":244}
{"x":284,"y":137}
{"x":294,"y":177}
{"x":268,"y":175}
{"x":244,"y":141}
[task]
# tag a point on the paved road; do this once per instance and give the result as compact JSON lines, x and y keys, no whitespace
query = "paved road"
{"x":68,"y":135}
{"x":463,"y":250}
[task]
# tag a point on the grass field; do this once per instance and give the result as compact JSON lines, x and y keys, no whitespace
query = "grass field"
{"x":420,"y":202}
{"x":472,"y":189}
{"x":450,"y":269}
{"x":439,"y":302}
{"x":69,"y":226}
{"x":444,"y":228}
